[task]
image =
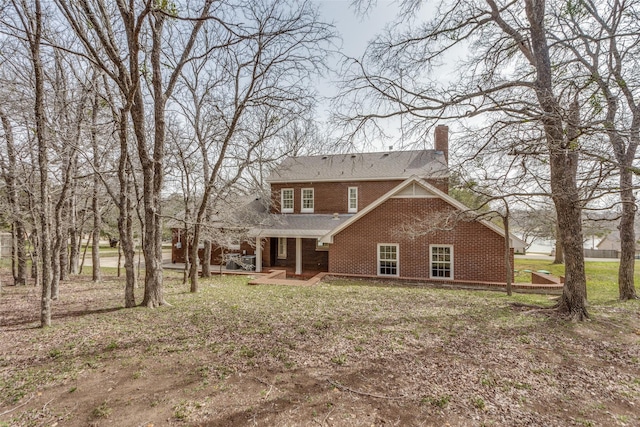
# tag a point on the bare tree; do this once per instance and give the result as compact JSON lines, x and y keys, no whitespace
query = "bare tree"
{"x":10,"y":176}
{"x":93,"y":23}
{"x":186,"y":164}
{"x":509,"y":74}
{"x":69,"y":101}
{"x":603,"y":40}
{"x":251,"y":88}
{"x":95,"y":200}
{"x":31,"y":19}
{"x":123,"y":198}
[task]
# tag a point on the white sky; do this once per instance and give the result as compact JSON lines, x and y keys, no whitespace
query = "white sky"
{"x":356,"y":32}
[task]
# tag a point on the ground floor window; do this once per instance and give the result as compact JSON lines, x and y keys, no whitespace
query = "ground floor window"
{"x":387,"y":259}
{"x":282,"y":248}
{"x":441,"y":261}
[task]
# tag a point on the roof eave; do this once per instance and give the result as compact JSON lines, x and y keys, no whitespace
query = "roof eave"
{"x":350,"y":179}
{"x":295,"y":233}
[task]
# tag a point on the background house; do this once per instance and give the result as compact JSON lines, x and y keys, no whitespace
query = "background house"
{"x":609,"y":247}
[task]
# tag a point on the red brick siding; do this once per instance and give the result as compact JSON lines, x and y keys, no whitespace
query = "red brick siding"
{"x":478,"y":252}
{"x":330,"y":197}
{"x":545,"y":279}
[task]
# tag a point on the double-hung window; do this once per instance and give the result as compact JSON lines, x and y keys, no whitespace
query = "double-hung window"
{"x":441,"y":265}
{"x":282,"y":248}
{"x":307,"y":200}
{"x":286,"y":200}
{"x":353,"y":200}
{"x":387,"y":259}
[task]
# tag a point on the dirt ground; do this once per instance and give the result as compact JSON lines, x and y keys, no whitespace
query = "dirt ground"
{"x":337,"y":354}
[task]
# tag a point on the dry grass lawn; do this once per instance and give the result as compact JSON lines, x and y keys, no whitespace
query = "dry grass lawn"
{"x":343,"y":353}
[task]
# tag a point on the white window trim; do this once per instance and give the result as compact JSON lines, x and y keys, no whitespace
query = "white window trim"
{"x":431,"y":276}
{"x":293,"y":200}
{"x":349,"y":208}
{"x":282,"y":248}
{"x":313,"y":202}
{"x":397,"y":260}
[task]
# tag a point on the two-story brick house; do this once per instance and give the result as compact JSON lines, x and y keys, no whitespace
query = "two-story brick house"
{"x":341,"y":214}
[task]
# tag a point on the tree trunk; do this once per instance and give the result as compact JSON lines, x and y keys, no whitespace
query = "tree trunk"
{"x":152,"y":249}
{"x":152,"y":180}
{"x":154,"y":295}
{"x":125,"y":217}
{"x":206,"y":259}
{"x":64,"y":256}
{"x":193,"y":254}
{"x":76,"y":229}
{"x":19,"y":256}
{"x":626,"y":269}
{"x":36,"y":271}
{"x":186,"y":271}
{"x":95,"y":207}
{"x":119,"y":260}
{"x":563,"y":163}
{"x":35,"y":37}
{"x":64,"y":244}
{"x":564,"y":169}
{"x":55,"y":256}
{"x":125,"y":226}
{"x":96,"y":274}
{"x":574,"y":294}
{"x":74,"y":238}
{"x":507,"y":252}
{"x":558,"y":257}
{"x":625,"y":158}
{"x":152,"y":177}
{"x":84,"y":254}
{"x":206,"y":256}
{"x":60,"y":248}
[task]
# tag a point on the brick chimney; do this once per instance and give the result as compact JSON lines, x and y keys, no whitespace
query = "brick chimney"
{"x":441,"y":139}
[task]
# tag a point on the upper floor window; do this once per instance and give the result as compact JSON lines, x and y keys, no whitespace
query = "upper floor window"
{"x":307,"y":200}
{"x":286,"y":200}
{"x":353,"y":200}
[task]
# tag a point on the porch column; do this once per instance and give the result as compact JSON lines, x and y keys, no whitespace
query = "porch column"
{"x":298,"y":255}
{"x":258,"y":255}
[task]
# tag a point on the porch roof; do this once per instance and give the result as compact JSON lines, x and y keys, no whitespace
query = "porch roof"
{"x":298,"y":225}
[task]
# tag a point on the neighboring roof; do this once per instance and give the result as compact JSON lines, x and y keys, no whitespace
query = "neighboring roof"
{"x":240,"y":212}
{"x":362,"y":166}
{"x":612,"y":240}
{"x":298,"y":225}
{"x":516,"y":242}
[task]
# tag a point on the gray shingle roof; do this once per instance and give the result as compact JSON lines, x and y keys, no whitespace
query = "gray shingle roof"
{"x":362,"y":166}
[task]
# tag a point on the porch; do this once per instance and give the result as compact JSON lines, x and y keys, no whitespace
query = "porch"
{"x":299,"y":257}
{"x":291,"y":242}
